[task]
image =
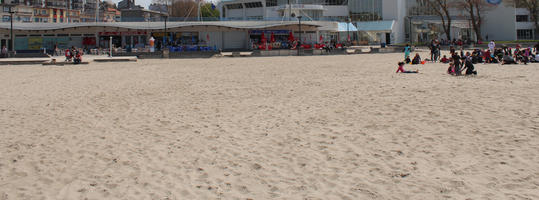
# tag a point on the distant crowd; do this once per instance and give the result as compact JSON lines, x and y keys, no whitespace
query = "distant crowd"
{"x":463,"y":62}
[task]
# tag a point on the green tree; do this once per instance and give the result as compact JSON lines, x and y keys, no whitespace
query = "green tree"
{"x":207,"y":11}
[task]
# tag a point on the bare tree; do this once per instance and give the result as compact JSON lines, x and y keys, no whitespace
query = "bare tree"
{"x":533,"y":7}
{"x":441,"y":8}
{"x":474,"y":10}
{"x":180,"y":8}
{"x":184,"y":8}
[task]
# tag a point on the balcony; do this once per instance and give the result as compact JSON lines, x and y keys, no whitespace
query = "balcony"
{"x":56,"y":5}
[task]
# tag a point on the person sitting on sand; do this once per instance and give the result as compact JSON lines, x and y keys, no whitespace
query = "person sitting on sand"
{"x":534,"y":58}
{"x":508,"y":59}
{"x":416,"y":60}
{"x":407,"y":60}
{"x":78,"y":57}
{"x":444,"y":59}
{"x":68,"y":55}
{"x":451,"y":68}
{"x":401,"y":69}
{"x":522,"y":56}
{"x":470,"y":69}
{"x":498,"y":54}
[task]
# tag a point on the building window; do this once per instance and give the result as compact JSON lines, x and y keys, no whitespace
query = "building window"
{"x":253,"y":5}
{"x":234,"y":6}
{"x":524,"y":34}
{"x":5,"y":18}
{"x":36,"y":19}
{"x":270,"y":3}
{"x":54,"y":20}
{"x":365,"y":10}
{"x":255,"y":18}
{"x":54,"y":12}
{"x":6,"y":9}
{"x":61,"y":20}
{"x":522,"y":18}
{"x":336,"y":2}
{"x":43,"y":12}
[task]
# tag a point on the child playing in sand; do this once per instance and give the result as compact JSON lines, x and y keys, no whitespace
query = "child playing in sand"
{"x":401,"y":69}
{"x":407,"y":60}
{"x":445,"y":59}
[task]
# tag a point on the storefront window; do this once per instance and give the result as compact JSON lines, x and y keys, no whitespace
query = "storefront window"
{"x":365,"y":10}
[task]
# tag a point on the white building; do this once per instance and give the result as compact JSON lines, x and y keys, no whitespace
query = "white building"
{"x":386,"y":21}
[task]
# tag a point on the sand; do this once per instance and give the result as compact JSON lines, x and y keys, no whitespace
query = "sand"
{"x":326,"y":127}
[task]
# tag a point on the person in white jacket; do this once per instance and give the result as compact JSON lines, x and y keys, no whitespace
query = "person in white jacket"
{"x":491,"y":46}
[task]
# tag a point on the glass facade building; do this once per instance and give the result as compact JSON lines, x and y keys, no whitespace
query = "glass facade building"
{"x":365,"y":10}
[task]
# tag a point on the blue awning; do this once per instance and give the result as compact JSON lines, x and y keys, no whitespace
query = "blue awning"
{"x":376,"y":26}
{"x":343,"y":27}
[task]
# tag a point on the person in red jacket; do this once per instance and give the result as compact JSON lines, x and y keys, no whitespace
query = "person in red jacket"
{"x":78,"y":57}
{"x":401,"y":69}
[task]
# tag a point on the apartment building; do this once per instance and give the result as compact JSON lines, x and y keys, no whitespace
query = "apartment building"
{"x":57,"y":11}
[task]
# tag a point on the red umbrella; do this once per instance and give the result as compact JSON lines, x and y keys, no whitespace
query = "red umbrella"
{"x":263,"y":38}
{"x":272,"y":37}
{"x":291,"y":37}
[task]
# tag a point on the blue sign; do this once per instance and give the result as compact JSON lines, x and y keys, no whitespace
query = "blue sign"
{"x":495,"y":2}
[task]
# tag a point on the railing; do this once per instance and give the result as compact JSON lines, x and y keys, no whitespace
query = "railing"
{"x":192,"y":19}
{"x":188,"y":19}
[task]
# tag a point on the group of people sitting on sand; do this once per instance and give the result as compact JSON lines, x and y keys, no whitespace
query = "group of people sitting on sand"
{"x":504,"y":55}
{"x":463,"y":63}
{"x":73,"y":55}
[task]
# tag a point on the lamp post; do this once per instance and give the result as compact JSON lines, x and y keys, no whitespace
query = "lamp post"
{"x":11,"y":12}
{"x":110,"y":47}
{"x":348,"y":32}
{"x":165,"y":36}
{"x":299,"y":40}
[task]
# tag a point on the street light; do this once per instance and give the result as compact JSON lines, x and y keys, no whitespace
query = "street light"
{"x":110,"y":47}
{"x":11,"y":12}
{"x":165,"y":37}
{"x":299,"y":41}
{"x":348,"y":32}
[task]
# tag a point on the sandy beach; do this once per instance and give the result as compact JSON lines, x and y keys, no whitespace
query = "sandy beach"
{"x":325,"y":127}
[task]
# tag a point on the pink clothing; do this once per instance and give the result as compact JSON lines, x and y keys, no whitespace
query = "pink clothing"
{"x":401,"y":69}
